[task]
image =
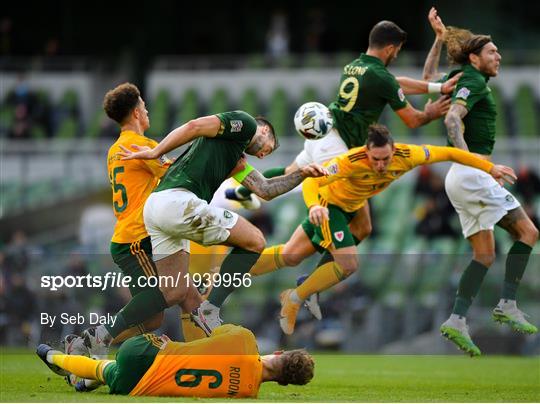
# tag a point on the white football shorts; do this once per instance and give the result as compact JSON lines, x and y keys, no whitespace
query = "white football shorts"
{"x":478,"y":199}
{"x":321,"y":150}
{"x":174,"y":216}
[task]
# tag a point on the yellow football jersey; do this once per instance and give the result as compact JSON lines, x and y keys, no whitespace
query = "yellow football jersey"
{"x":132,"y":181}
{"x":227,"y":364}
{"x":352,"y":181}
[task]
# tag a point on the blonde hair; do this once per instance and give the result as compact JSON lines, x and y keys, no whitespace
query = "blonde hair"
{"x":460,"y":43}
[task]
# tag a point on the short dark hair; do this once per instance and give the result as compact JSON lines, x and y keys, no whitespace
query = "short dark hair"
{"x":121,"y":101}
{"x":378,"y":136}
{"x":386,"y":33}
{"x":296,"y":367}
{"x":262,"y":121}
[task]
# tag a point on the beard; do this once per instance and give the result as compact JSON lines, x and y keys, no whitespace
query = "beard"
{"x":256,"y":146}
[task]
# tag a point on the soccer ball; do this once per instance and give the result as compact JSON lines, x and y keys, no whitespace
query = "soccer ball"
{"x":313,"y":120}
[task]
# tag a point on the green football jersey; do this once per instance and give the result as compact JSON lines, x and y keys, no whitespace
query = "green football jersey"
{"x":366,"y":87}
{"x":474,"y":94}
{"x":209,"y":160}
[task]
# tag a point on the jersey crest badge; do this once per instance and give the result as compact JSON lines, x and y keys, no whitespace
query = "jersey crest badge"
{"x":236,"y":125}
{"x":401,"y":95}
{"x":426,"y":152}
{"x":339,"y":235}
{"x":463,"y":93}
{"x":332,"y":169}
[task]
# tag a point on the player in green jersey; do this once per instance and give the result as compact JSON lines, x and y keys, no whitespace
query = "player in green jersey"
{"x":178,"y":209}
{"x":480,"y":202}
{"x":366,"y":87}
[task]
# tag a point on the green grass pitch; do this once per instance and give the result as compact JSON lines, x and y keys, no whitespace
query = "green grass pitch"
{"x":337,"y":378}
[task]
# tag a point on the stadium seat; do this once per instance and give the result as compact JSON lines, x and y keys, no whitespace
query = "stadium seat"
{"x":187,"y":108}
{"x":502,"y":121}
{"x":250,"y":102}
{"x":308,"y":94}
{"x":397,"y":128}
{"x":278,"y":112}
{"x":525,"y":112}
{"x":68,"y":128}
{"x":94,"y":125}
{"x":219,"y":102}
{"x":159,"y":115}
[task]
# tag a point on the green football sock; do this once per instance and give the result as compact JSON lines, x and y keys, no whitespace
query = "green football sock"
{"x":516,"y":262}
{"x":140,"y":308}
{"x":469,"y":285}
{"x":270,"y":173}
{"x":239,"y":261}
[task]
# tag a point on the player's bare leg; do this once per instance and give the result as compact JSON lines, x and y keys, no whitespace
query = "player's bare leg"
{"x":173,"y":286}
{"x":344,"y":264}
{"x":248,"y":242}
{"x":360,"y":225}
{"x":525,"y":234}
{"x":290,"y":254}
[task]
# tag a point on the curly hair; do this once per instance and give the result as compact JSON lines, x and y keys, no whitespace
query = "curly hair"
{"x":297,"y":367}
{"x":460,"y":43}
{"x":121,"y":101}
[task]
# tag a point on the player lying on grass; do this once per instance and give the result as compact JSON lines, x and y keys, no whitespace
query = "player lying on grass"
{"x":227,"y":364}
{"x":479,"y":201}
{"x":332,"y":202}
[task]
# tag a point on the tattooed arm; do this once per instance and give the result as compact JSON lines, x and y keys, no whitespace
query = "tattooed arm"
{"x":431,"y":64}
{"x":455,"y":127}
{"x":269,"y":188}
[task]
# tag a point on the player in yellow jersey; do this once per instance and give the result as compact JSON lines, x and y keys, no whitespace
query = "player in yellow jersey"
{"x":332,"y":201}
{"x":227,"y":364}
{"x":131,"y":182}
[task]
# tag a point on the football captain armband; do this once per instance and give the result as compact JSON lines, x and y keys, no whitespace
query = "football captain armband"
{"x":241,"y":176}
{"x":434,"y":88}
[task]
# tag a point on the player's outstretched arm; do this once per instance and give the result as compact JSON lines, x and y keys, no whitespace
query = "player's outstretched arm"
{"x":431,"y":65}
{"x":455,"y":127}
{"x":207,"y":126}
{"x":269,"y":188}
{"x":414,"y":118}
{"x":414,"y":86}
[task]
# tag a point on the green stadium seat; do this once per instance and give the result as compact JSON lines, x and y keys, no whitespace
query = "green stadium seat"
{"x":38,"y":132}
{"x":344,"y":58}
{"x":69,"y":100}
{"x":7,"y":116}
{"x":255,"y":61}
{"x":188,"y":107}
{"x":309,"y":94}
{"x":313,"y":60}
{"x":219,"y":102}
{"x":94,"y":126}
{"x":159,"y":115}
{"x":525,"y":111}
{"x":278,"y":113}
{"x":396,"y":126}
{"x":502,"y":121}
{"x":68,"y":128}
{"x":250,"y":102}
